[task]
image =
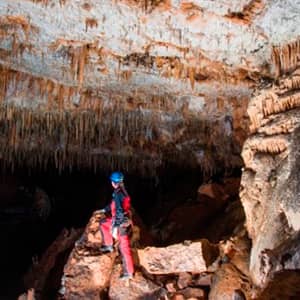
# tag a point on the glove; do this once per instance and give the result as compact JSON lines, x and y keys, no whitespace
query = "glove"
{"x":114,"y":232}
{"x":126,"y":222}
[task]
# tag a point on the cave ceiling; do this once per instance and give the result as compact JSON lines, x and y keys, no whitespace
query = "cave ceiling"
{"x":132,"y":84}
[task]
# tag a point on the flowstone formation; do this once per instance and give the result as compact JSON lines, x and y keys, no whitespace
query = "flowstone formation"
{"x":270,"y":181}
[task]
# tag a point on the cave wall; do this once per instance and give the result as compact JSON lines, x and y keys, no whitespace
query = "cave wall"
{"x":270,"y":180}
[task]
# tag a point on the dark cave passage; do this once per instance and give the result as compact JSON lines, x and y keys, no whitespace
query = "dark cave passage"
{"x":29,"y":226}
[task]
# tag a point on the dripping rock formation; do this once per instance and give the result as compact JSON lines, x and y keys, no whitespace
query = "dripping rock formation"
{"x":133,"y":84}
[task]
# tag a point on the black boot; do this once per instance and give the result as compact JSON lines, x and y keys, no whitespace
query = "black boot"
{"x":126,"y":276}
{"x":106,"y":248}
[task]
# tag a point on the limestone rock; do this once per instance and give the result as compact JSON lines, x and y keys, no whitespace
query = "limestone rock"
{"x":85,"y":277}
{"x":213,"y":190}
{"x":232,"y":279}
{"x":224,"y":225}
{"x":135,"y":289}
{"x":38,"y":278}
{"x":270,"y":181}
{"x":195,"y":258}
{"x":87,"y":271}
{"x":184,"y":279}
{"x":203,"y":280}
{"x":194,"y":293}
{"x":91,"y":239}
{"x":195,"y":219}
{"x":225,"y":283}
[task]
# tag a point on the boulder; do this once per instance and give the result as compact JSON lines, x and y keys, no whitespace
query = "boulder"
{"x":194,"y":293}
{"x":194,"y":257}
{"x":225,"y":283}
{"x":134,"y":289}
{"x":184,"y":279}
{"x":87,"y":271}
{"x":213,"y":190}
{"x":203,"y":280}
{"x":232,"y":280}
{"x":86,"y":276}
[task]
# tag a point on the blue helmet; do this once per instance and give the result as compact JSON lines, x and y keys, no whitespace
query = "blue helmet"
{"x":116,"y":177}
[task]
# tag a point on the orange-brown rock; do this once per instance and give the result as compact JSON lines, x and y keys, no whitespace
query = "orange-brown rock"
{"x":141,"y":235}
{"x":192,"y":219}
{"x":231,"y":186}
{"x":226,"y":282}
{"x":224,"y":225}
{"x":232,"y":278}
{"x":184,"y":279}
{"x":87,"y":271}
{"x":91,"y":238}
{"x":203,"y":279}
{"x":135,"y":289}
{"x":214,"y":191}
{"x":194,"y":257}
{"x":86,"y":276}
{"x":36,"y":279}
{"x":193,"y":293}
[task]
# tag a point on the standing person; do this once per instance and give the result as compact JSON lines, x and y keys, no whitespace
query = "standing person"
{"x":117,"y":224}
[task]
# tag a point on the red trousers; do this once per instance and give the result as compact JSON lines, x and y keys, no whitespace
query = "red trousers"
{"x":124,"y":243}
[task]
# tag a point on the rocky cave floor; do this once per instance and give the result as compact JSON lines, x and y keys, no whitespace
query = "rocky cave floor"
{"x":178,"y":215}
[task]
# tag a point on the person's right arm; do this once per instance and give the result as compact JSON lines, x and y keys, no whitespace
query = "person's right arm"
{"x":105,"y":210}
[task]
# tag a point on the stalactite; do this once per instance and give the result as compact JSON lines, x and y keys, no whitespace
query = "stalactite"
{"x":15,"y":22}
{"x":17,"y":28}
{"x":191,"y":72}
{"x":81,"y":65}
{"x":68,"y":135}
{"x":62,"y":2}
{"x":274,"y":105}
{"x":44,"y":2}
{"x":269,"y":145}
{"x":285,"y":127}
{"x":78,"y":53}
{"x":286,"y":58}
{"x":249,"y":12}
{"x":289,"y":84}
{"x":255,"y":111}
{"x":90,"y":23}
